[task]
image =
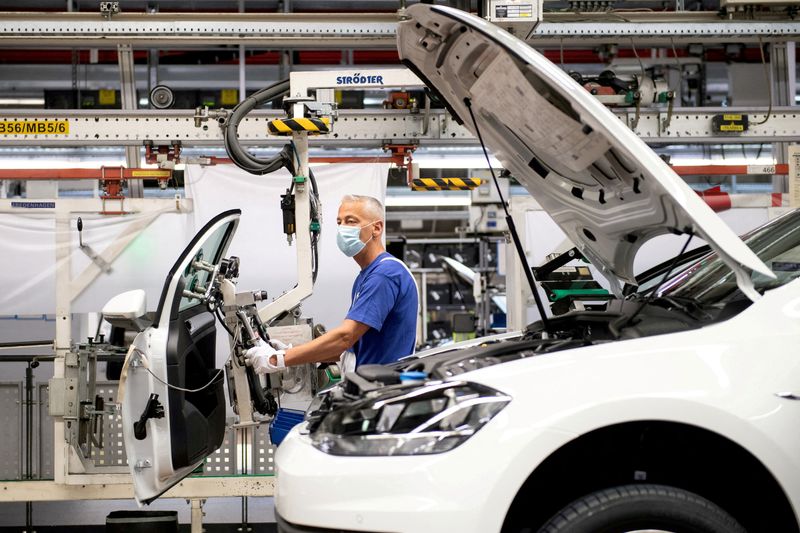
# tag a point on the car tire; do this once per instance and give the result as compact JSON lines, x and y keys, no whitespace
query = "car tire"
{"x":642,"y":507}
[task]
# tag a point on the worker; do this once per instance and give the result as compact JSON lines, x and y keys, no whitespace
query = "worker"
{"x":381,"y":325}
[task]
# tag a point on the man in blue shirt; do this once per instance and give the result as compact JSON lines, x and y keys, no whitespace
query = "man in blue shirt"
{"x":381,"y":325}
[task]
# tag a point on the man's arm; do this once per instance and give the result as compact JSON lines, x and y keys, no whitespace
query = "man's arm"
{"x":327,"y":347}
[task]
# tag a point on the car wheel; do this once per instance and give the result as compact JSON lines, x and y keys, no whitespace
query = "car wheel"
{"x":637,"y":508}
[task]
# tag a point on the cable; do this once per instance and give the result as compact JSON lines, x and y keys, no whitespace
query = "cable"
{"x":769,"y":82}
{"x":315,"y":214}
{"x":641,"y":65}
{"x":615,"y":329}
{"x":175,"y":387}
{"x":238,"y":155}
{"x":512,"y":228}
{"x":675,"y":55}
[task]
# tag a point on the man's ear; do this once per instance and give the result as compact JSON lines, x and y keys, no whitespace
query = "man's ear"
{"x":379,"y":226}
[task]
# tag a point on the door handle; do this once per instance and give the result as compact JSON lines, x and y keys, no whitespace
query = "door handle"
{"x":153,"y":409}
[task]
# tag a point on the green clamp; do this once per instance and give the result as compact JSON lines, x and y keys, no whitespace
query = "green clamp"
{"x":630,"y":97}
{"x":315,"y":226}
{"x":300,"y":179}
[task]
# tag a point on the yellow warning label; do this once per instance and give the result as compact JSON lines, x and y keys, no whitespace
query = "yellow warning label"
{"x":731,"y":127}
{"x":150,"y":173}
{"x":107,"y":97}
{"x":731,"y":117}
{"x":34,"y":127}
{"x":229,"y":97}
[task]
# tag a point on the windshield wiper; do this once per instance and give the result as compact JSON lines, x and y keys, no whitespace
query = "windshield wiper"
{"x":621,"y":323}
{"x":692,"y":307}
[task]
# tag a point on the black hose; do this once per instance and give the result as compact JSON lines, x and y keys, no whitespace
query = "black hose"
{"x":240,"y":157}
{"x":25,"y":344}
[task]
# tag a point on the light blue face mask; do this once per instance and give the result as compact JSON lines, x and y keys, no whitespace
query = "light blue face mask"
{"x":348,"y":238}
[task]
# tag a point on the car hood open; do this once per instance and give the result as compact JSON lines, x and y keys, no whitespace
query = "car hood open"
{"x":607,"y":190}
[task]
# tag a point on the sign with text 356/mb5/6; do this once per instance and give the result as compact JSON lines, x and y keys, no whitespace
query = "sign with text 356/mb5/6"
{"x":34,"y":127}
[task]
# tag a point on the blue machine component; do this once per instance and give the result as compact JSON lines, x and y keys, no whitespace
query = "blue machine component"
{"x":283,"y":422}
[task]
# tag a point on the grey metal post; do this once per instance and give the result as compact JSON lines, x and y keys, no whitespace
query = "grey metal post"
{"x":127,"y":80}
{"x":784,"y":87}
{"x":242,"y":64}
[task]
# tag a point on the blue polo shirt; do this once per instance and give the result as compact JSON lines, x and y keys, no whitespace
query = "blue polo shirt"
{"x":384,"y":297}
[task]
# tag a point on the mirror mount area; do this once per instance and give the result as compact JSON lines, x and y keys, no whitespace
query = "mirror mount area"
{"x":128,"y":310}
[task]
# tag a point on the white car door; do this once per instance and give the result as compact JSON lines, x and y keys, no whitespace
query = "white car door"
{"x":173,"y":406}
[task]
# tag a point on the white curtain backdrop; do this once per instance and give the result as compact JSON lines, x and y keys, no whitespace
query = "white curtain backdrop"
{"x":268,"y":262}
{"x":27,"y":243}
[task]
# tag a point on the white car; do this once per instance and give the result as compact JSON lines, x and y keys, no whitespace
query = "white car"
{"x":674,"y":410}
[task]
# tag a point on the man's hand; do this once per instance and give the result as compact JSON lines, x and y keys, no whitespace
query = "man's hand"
{"x":278,"y":345}
{"x":264,"y":358}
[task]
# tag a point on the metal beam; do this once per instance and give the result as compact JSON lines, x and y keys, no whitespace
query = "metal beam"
{"x":783,"y":80}
{"x":362,"y":30}
{"x":156,"y":30}
{"x":127,"y":82}
{"x":364,"y":127}
{"x":189,"y":488}
{"x":662,"y":33}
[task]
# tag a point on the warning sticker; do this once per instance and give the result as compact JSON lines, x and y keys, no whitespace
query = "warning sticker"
{"x":34,"y":127}
{"x":151,"y":173}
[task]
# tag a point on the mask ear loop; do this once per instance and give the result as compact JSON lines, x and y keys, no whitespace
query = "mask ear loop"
{"x":365,"y":225}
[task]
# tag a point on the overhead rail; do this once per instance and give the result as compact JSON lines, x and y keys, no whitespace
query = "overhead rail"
{"x":364,"y":30}
{"x":48,"y":128}
{"x":156,"y":30}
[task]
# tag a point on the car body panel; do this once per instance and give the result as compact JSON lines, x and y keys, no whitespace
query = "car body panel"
{"x":608,"y":191}
{"x":179,"y":349}
{"x":720,"y":378}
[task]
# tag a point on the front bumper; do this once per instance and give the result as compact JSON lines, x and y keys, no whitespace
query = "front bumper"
{"x":468,"y":489}
{"x":286,"y":527}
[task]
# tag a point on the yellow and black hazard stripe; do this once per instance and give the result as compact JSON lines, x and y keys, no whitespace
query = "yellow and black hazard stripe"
{"x":287,"y":126}
{"x":445,"y":184}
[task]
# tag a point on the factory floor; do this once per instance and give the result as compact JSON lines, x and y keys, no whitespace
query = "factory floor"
{"x":184,"y":528}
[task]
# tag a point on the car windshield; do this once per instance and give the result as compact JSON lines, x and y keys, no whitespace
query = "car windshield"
{"x":710,"y":281}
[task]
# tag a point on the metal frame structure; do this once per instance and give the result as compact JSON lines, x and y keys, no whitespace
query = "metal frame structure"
{"x":366,"y":30}
{"x":369,"y":127}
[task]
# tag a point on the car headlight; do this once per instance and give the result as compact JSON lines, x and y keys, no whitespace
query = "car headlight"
{"x":432,"y":418}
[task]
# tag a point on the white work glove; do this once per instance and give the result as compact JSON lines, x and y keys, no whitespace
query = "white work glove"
{"x":260,"y":355}
{"x":278,"y":345}
{"x":347,"y":362}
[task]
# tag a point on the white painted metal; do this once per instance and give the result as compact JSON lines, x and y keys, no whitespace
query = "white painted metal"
{"x":127,"y":82}
{"x":292,"y":298}
{"x":661,"y":32}
{"x":197,"y":515}
{"x":191,"y":488}
{"x":292,"y":30}
{"x":370,"y":127}
{"x":782,"y":67}
{"x":187,"y":29}
{"x":602,"y":185}
{"x":301,"y":81}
